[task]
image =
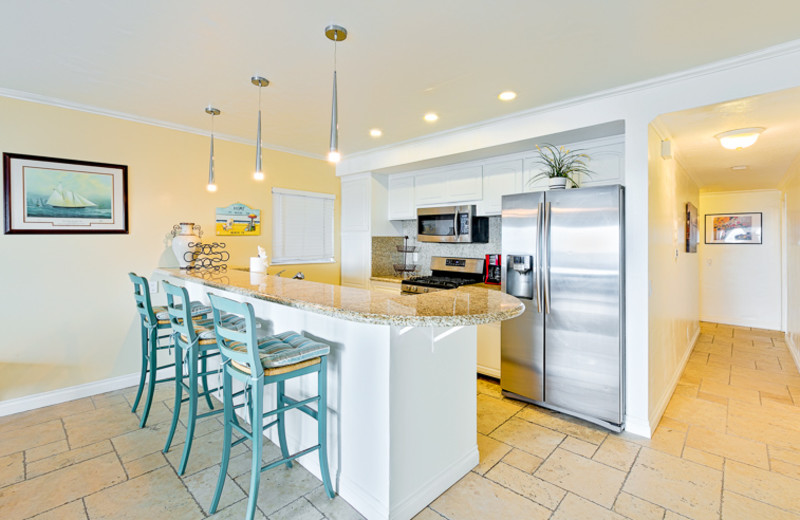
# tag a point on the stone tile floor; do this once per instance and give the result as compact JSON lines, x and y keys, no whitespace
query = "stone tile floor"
{"x":727,"y":447}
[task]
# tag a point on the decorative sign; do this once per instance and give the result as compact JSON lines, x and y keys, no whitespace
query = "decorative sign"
{"x":238,"y":219}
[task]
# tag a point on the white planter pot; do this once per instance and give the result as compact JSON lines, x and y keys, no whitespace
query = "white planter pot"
{"x":186,"y":237}
{"x":558,"y":183}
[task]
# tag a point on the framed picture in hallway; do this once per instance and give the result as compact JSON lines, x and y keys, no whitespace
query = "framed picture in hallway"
{"x":48,"y":195}
{"x":733,"y":228}
{"x":692,"y":234}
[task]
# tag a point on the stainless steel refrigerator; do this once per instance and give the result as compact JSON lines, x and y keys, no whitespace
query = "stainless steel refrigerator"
{"x":563,"y":257}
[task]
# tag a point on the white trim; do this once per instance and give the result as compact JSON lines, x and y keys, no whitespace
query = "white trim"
{"x":660,"y":407}
{"x":71,"y":105}
{"x":793,"y":350}
{"x":291,"y":261}
{"x":301,"y":193}
{"x":31,"y":402}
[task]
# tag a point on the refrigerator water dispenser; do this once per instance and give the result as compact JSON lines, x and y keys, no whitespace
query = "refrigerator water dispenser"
{"x":519,"y":276}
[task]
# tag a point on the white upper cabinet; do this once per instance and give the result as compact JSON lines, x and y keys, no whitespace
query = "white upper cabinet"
{"x":356,"y":204}
{"x":460,"y":184}
{"x":501,"y":178}
{"x":401,"y":197}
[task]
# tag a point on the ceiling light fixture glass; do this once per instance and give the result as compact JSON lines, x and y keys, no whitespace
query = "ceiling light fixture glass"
{"x":337,"y":33}
{"x":431,"y":117}
{"x":260,"y":82}
{"x":738,"y":139}
{"x":212,"y":186}
{"x":507,"y":95}
{"x":376,"y":132}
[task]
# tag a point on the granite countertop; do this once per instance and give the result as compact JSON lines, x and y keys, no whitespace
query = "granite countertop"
{"x":392,"y":279}
{"x":468,"y":305}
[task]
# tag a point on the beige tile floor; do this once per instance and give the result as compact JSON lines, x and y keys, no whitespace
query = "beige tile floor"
{"x":728,"y":447}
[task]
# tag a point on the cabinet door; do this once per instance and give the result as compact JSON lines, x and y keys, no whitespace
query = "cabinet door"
{"x":430,"y":188}
{"x":499,"y":179}
{"x":356,"y":259}
{"x":530,"y":168}
{"x":401,"y":198}
{"x":464,"y":184}
{"x":608,"y":163}
{"x":355,"y":204}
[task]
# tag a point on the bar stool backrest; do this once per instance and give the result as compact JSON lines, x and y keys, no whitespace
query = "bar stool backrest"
{"x":227,"y":338}
{"x":141,"y":293}
{"x":180,"y":312}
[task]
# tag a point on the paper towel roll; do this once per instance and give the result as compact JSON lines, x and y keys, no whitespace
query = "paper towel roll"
{"x":257,"y":264}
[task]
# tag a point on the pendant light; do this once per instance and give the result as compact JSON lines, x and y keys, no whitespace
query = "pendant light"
{"x":337,"y":33}
{"x":260,"y":83}
{"x":212,"y":186}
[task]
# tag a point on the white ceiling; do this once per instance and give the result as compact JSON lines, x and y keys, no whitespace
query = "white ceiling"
{"x":709,"y":164}
{"x":166,"y":60}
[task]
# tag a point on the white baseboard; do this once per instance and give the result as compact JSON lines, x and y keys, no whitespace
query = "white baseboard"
{"x":739,"y":322}
{"x":31,"y":402}
{"x":488,"y":371}
{"x":661,"y":406}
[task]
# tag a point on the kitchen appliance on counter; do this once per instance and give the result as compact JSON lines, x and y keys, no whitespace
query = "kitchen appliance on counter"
{"x":446,"y":273}
{"x":455,"y":224}
{"x":492,"y":269}
{"x":564,"y":260}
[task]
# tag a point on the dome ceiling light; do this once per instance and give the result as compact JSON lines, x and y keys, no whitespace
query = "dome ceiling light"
{"x":738,"y":139}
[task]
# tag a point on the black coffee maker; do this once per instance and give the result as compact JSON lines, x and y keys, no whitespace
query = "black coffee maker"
{"x":492,"y":270}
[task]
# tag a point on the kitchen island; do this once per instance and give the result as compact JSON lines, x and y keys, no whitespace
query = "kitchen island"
{"x":401,"y":380}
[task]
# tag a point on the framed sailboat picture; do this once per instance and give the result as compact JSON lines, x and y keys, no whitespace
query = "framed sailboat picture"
{"x":51,"y":195}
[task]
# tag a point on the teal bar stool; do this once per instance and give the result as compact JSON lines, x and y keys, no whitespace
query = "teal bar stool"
{"x":155,"y":327}
{"x":196,"y":343}
{"x":256,"y":362}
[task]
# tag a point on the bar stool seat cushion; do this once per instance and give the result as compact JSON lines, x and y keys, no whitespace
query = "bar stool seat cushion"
{"x":286,"y":348}
{"x":205,"y":328}
{"x":198,"y":309}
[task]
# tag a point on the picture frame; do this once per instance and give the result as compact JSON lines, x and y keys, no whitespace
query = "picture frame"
{"x":49,"y":195}
{"x":238,"y":220}
{"x":733,"y":228}
{"x":692,"y":233}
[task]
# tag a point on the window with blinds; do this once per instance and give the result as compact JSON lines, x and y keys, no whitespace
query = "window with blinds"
{"x":302,"y":227}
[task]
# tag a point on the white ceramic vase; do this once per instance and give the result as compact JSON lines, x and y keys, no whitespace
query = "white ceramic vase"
{"x":183,"y":235}
{"x":558,"y":183}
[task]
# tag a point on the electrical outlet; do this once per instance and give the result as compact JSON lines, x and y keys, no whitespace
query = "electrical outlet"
{"x":154,"y":286}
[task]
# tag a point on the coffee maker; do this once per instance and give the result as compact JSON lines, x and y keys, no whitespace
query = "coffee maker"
{"x":492,"y":270}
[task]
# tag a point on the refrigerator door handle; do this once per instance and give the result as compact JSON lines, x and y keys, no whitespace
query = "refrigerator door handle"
{"x":545,"y":263}
{"x":537,"y":274}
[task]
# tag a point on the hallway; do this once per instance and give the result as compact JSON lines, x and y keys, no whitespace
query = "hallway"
{"x":728,"y":447}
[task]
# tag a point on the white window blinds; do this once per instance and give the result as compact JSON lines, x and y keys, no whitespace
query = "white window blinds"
{"x":302,"y":229}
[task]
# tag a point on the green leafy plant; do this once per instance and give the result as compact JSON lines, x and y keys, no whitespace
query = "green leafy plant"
{"x":561,"y":162}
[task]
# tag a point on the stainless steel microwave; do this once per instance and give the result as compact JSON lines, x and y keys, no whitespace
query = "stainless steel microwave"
{"x":456,"y":224}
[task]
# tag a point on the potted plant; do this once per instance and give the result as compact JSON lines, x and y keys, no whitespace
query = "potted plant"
{"x":561,"y":165}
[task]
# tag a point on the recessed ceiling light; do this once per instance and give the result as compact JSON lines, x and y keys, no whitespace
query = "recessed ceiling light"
{"x":375,"y":132}
{"x":507,"y":95}
{"x":739,"y":167}
{"x":738,"y":139}
{"x":431,"y":117}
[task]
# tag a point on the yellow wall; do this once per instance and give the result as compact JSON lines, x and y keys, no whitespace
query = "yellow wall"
{"x":674,"y":296}
{"x":792,"y":283}
{"x":67,"y":308}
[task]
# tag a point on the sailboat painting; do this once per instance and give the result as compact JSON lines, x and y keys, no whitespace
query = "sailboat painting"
{"x":53,"y":193}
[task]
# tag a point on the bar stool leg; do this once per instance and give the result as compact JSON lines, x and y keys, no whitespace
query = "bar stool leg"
{"x":176,"y":409}
{"x":282,"y":424}
{"x":256,"y":430}
{"x":143,"y":371}
{"x":192,"y":419}
{"x":228,"y":413}
{"x":153,"y":372}
{"x":322,"y":425}
{"x":204,"y":369}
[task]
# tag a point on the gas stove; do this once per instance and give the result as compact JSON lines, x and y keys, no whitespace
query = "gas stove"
{"x":446,"y":273}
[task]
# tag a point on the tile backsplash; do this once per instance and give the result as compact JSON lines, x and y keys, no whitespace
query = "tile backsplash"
{"x":384,"y":250}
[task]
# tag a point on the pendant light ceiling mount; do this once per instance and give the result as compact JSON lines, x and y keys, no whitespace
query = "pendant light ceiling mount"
{"x":336,"y":33}
{"x":260,"y":82}
{"x":213,"y":111}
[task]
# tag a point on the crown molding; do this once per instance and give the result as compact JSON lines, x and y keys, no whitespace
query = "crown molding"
{"x":69,"y":105}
